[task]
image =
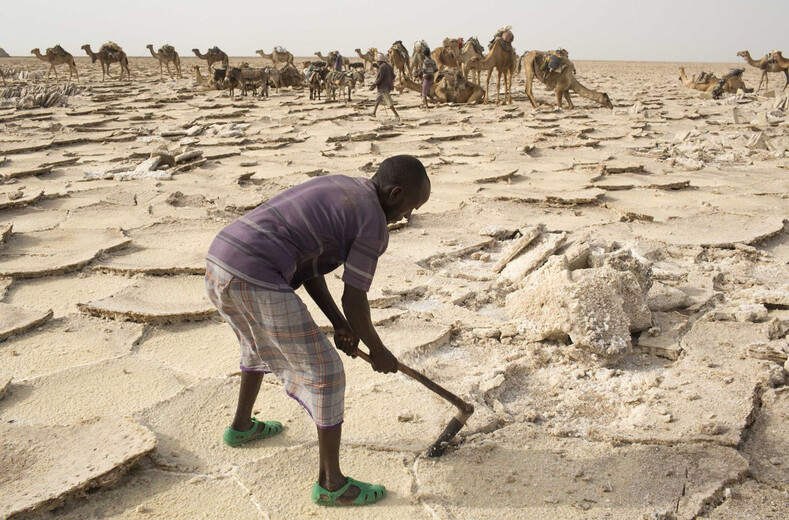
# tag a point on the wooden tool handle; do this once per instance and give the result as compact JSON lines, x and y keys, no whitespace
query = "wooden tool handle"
{"x":465,"y":408}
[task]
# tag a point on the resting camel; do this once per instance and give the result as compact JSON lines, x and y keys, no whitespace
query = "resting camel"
{"x":730,"y":83}
{"x":561,"y":82}
{"x":57,"y":55}
{"x":109,"y":53}
{"x":368,"y":57}
{"x":277,"y":56}
{"x":331,"y":57}
{"x":765,"y":65}
{"x":451,"y":87}
{"x":503,"y":61}
{"x":209,"y":82}
{"x":447,"y":56}
{"x":213,"y":55}
{"x":398,"y":57}
{"x":165,"y":55}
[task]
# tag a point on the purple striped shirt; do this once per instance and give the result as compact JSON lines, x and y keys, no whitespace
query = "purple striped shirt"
{"x":305,"y":232}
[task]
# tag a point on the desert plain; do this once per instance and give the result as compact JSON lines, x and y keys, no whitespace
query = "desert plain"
{"x":609,"y":288}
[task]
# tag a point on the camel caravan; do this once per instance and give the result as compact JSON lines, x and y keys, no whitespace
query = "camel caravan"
{"x":458,"y":77}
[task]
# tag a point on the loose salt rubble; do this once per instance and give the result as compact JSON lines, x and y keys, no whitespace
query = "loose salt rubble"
{"x":597,"y":307}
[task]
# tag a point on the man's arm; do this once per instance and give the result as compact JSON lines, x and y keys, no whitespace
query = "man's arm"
{"x":378,"y":79}
{"x":344,"y":337}
{"x":357,"y":310}
{"x":319,"y":292}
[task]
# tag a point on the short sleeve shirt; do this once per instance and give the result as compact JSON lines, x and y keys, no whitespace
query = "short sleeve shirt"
{"x":305,"y":232}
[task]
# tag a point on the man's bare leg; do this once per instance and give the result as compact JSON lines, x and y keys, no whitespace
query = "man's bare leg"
{"x":247,"y":394}
{"x":330,"y":477}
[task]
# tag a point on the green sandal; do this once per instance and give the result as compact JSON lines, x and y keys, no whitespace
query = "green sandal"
{"x":368,"y":494}
{"x":236,"y":438}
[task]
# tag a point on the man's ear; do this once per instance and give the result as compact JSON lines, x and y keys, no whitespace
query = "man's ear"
{"x":395,"y":193}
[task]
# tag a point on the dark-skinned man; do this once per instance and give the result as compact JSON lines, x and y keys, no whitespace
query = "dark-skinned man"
{"x":255,"y":264}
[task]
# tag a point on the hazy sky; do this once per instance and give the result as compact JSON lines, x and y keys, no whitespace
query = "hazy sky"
{"x":657,"y":30}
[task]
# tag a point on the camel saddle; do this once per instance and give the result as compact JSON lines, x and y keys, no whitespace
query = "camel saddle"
{"x":57,"y":49}
{"x":420,"y":46}
{"x":280,"y":49}
{"x":111,"y":48}
{"x":553,"y":62}
{"x":400,"y":49}
{"x":473,"y":42}
{"x":506,"y":38}
{"x":214,"y":50}
{"x":168,"y":49}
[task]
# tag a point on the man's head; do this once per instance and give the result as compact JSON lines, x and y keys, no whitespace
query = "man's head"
{"x":402,"y":185}
{"x":380,"y":58}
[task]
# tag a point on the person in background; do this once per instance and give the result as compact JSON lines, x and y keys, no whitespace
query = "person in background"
{"x":384,"y":82}
{"x":429,"y":69}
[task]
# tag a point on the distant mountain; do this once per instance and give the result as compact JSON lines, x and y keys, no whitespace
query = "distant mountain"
{"x":3,"y":54}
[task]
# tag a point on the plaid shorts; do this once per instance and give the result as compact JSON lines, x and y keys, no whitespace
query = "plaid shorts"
{"x":277,"y":334}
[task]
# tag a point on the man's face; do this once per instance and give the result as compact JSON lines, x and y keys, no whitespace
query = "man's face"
{"x":403,"y":203}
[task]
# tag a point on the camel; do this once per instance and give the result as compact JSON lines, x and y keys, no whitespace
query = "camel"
{"x":108,"y":54}
{"x":451,"y":87}
{"x":57,"y":55}
{"x":447,"y":56}
{"x":207,"y":82}
{"x":561,"y":82}
{"x":471,"y":49}
{"x":165,"y":55}
{"x":398,"y":57}
{"x":766,"y":65}
{"x":368,"y":57}
{"x":501,"y":59}
{"x":213,"y":55}
{"x":278,"y":55}
{"x":779,"y":58}
{"x":331,"y":57}
{"x":708,"y":82}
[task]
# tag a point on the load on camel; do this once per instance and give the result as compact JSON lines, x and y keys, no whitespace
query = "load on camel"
{"x":418,"y":57}
{"x":708,"y":82}
{"x":555,"y":70}
{"x":451,"y":86}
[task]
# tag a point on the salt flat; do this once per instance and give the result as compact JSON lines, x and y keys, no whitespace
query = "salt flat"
{"x":100,"y":270}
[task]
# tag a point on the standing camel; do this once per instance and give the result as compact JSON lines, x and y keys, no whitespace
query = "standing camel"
{"x":346,"y":63}
{"x":500,"y":59}
{"x":398,"y":57}
{"x":278,"y":55}
{"x":471,"y":49}
{"x":165,"y":55}
{"x":368,"y":57}
{"x":213,"y":55}
{"x":765,"y":65}
{"x":447,"y":56}
{"x":57,"y":55}
{"x":561,"y":82}
{"x":109,"y":53}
